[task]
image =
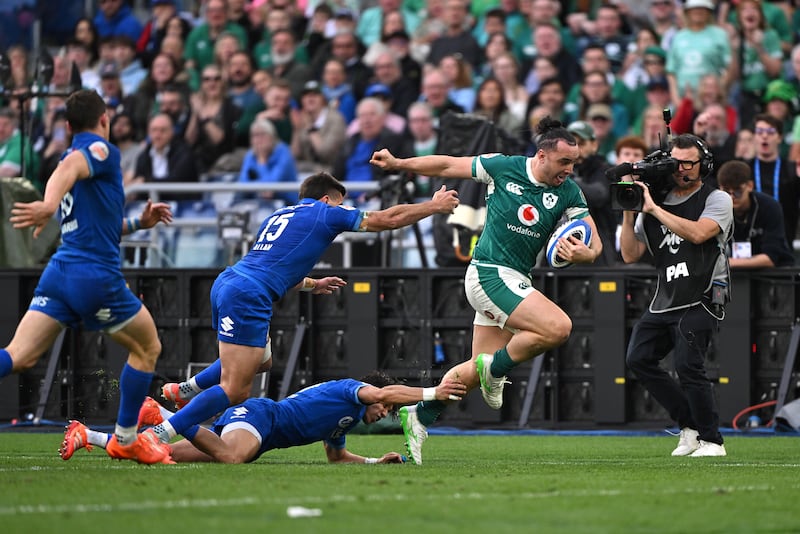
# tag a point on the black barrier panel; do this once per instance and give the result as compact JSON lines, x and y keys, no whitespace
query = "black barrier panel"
{"x":578,"y":353}
{"x":770,"y":349}
{"x":96,"y":396}
{"x":200,"y":296}
{"x":574,"y":295}
{"x":774,"y":298}
{"x":330,"y":351}
{"x":163,"y":295}
{"x":449,"y":299}
{"x":402,"y":349}
{"x":576,"y":401}
{"x":282,"y":339}
{"x":203,"y":347}
{"x":327,"y":307}
{"x":450,"y":347}
{"x":401,"y":298}
{"x":416,"y":324}
{"x":642,"y":407}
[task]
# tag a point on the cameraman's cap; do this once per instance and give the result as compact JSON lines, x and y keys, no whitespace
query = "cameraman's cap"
{"x":582,"y":129}
{"x":705,"y":4}
{"x":599,"y":111}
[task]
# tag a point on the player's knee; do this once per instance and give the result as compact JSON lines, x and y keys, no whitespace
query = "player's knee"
{"x":152,"y":351}
{"x":230,"y":458}
{"x":560,"y":331}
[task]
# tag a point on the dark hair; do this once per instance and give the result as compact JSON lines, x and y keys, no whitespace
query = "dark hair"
{"x":379,"y":379}
{"x":769,"y":119}
{"x":84,"y":109}
{"x":501,"y":107}
{"x":318,"y":185}
{"x":550,"y":131}
{"x":734,"y":173}
{"x":495,"y":13}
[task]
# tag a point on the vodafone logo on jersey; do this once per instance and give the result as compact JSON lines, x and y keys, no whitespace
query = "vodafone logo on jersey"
{"x":98,"y":150}
{"x":527,"y":215}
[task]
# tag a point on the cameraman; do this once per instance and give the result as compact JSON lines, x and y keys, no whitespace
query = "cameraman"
{"x":687,"y":235}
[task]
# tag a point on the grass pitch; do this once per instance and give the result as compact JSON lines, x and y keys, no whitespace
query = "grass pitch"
{"x":467,"y":484}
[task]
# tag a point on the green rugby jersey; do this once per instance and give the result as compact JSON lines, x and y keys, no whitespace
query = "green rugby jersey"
{"x":521,"y":213}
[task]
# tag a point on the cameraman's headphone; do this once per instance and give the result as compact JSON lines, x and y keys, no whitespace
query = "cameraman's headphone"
{"x":706,"y":158}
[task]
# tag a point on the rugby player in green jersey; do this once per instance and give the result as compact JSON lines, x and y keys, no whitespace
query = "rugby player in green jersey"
{"x":526,"y":199}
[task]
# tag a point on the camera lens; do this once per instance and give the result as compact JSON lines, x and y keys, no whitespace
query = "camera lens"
{"x":626,"y":197}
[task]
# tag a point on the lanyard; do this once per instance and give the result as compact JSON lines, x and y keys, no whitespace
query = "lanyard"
{"x":775,"y":178}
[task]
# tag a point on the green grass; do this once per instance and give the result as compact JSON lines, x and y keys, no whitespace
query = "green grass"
{"x":467,"y":484}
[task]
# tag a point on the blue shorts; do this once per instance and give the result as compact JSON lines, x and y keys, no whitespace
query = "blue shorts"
{"x":241,"y":310}
{"x":258,"y":419}
{"x":75,"y":293}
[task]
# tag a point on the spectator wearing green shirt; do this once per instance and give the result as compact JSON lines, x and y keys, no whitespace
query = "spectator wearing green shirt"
{"x":700,"y":48}
{"x":371,"y":20}
{"x":10,"y":150}
{"x":757,"y":57}
{"x":199,"y":49}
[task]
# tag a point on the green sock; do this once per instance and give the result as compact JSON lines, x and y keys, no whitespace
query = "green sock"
{"x":429,"y":411}
{"x":502,"y":363}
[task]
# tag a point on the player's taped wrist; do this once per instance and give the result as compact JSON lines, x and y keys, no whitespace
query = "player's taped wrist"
{"x":428,"y":394}
{"x":134,"y":224}
{"x":309,"y":284}
{"x":370,"y":460}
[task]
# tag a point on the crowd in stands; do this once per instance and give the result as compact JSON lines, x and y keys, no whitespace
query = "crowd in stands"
{"x":273,"y":89}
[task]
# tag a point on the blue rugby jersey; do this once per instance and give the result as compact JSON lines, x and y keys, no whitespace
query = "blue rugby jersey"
{"x":322,"y":412}
{"x":290,"y":242}
{"x":91,"y":212}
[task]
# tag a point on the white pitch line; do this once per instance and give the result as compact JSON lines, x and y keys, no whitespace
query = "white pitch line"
{"x":42,"y":509}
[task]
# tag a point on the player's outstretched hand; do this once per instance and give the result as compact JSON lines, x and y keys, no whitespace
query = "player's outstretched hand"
{"x":450,"y":390}
{"x":446,"y":199}
{"x":391,"y":458}
{"x":152,"y":214}
{"x":27,"y":214}
{"x":327,"y":285}
{"x":384,"y":160}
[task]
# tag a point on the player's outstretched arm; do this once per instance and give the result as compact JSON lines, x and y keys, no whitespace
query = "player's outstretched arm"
{"x":435,"y":165}
{"x":444,"y":201}
{"x":320,"y":286}
{"x":343,"y":456}
{"x":397,"y":394}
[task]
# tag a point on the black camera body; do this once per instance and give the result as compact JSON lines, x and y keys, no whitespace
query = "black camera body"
{"x":656,"y":170}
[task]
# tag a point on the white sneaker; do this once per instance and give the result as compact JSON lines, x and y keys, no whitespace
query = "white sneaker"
{"x":491,"y":387}
{"x":414,"y":432}
{"x":709,"y":448}
{"x":688,"y":442}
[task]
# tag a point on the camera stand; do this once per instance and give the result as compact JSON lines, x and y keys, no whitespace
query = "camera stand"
{"x":393,"y":191}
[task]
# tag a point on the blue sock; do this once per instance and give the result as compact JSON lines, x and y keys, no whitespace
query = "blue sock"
{"x":133,"y":388}
{"x":191,"y":433}
{"x":5,"y":363}
{"x":204,"y":406}
{"x":210,"y":376}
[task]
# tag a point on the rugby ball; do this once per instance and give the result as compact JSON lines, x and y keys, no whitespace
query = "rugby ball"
{"x":577,"y":229}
